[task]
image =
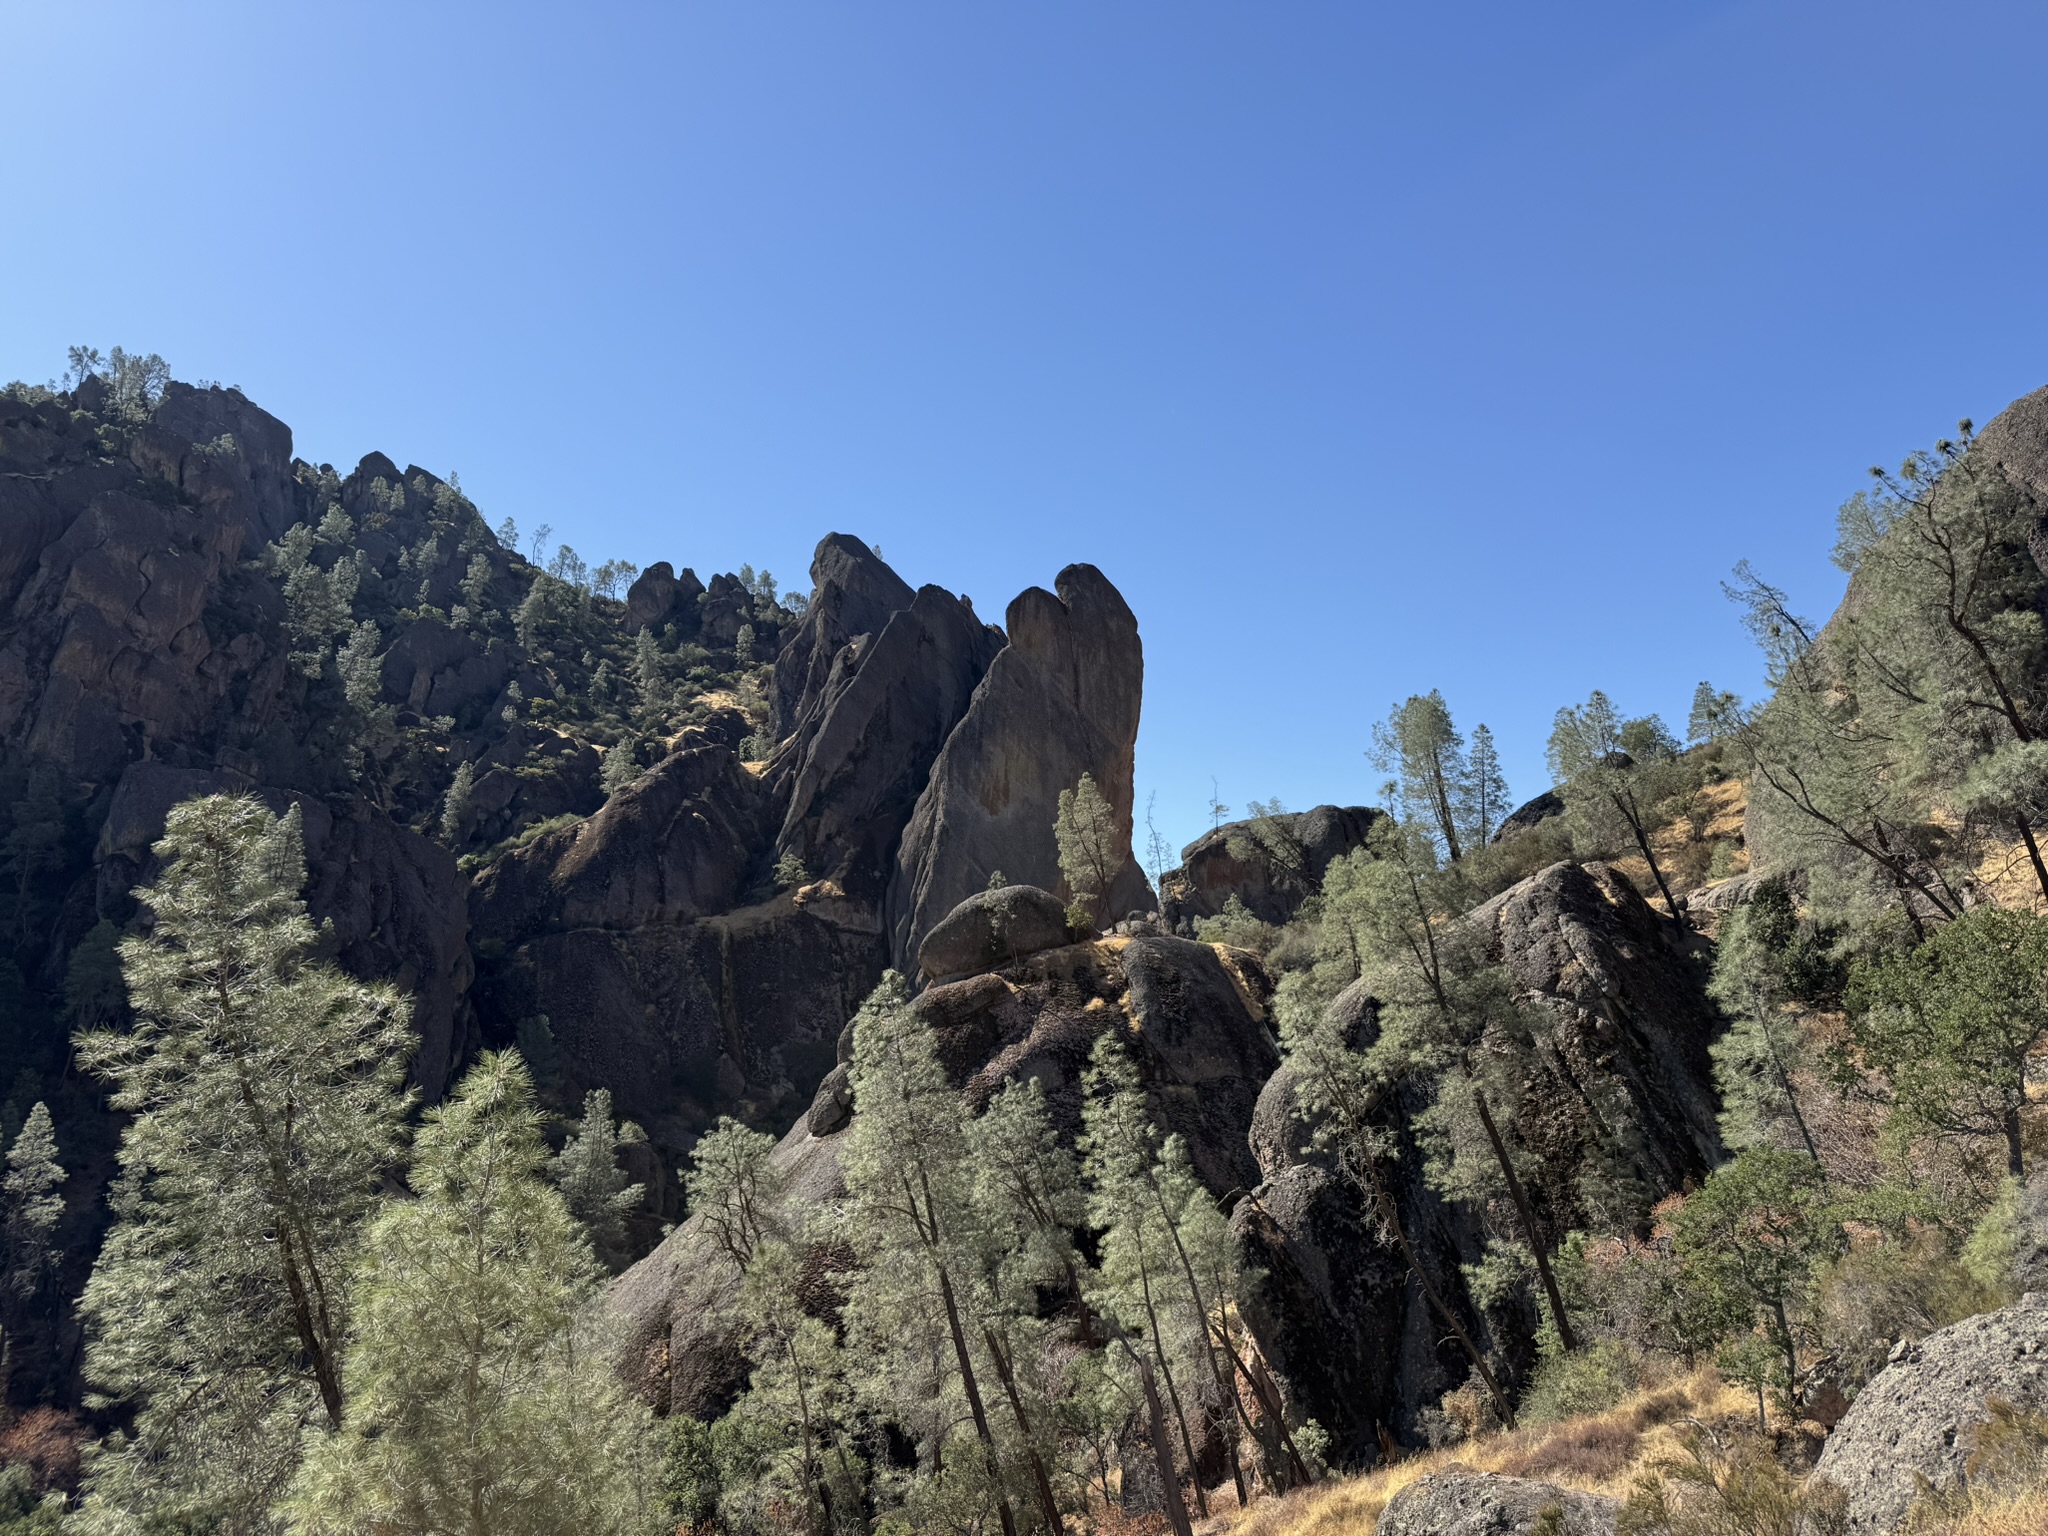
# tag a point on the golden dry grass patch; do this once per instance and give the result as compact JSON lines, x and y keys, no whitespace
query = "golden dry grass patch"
{"x":1597,"y":1453}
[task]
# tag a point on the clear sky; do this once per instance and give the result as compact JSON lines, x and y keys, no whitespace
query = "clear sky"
{"x":1367,"y":348}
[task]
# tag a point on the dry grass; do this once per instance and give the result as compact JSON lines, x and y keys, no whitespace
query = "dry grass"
{"x":2026,"y":1516}
{"x":1600,"y":1453}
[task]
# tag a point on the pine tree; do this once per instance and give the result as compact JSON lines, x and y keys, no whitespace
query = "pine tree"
{"x":588,"y":1173}
{"x":1092,"y":849}
{"x":266,"y":1093}
{"x":733,"y":1188}
{"x":1755,"y":1061}
{"x":479,"y":1402}
{"x":1026,"y":1194}
{"x":1613,"y":774}
{"x":650,"y":676}
{"x":1950,"y":1023}
{"x":30,"y":1207}
{"x":1418,"y":742}
{"x":621,"y":764}
{"x":1713,"y":712}
{"x":794,"y":1424}
{"x":1482,"y":801}
{"x":455,"y":804}
{"x":912,"y":1220}
{"x":1383,"y":908}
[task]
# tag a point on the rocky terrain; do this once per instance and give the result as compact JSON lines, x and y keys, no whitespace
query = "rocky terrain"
{"x":667,"y":840}
{"x":154,"y":645}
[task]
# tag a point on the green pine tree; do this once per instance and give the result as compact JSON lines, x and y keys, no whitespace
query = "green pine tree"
{"x":480,"y":1404}
{"x":265,"y":1089}
{"x":1093,"y":846}
{"x":912,"y":1221}
{"x":588,"y":1173}
{"x":1418,"y":743}
{"x":30,"y":1208}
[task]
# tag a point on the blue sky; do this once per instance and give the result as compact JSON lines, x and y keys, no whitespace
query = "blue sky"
{"x":1367,"y":348}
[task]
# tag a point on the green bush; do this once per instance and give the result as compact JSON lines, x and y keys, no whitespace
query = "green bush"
{"x":1588,"y":1380}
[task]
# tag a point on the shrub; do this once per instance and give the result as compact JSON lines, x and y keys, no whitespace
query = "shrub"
{"x":1585,"y":1381}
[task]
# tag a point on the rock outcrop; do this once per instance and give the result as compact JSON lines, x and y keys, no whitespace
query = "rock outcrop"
{"x":1546,"y":805}
{"x":1625,"y":993}
{"x":869,"y":695}
{"x":1458,"y":1502}
{"x":1909,"y":1432}
{"x":1192,"y":1016}
{"x":1270,"y":883}
{"x":659,"y":597}
{"x":1622,"y":1063}
{"x":1061,"y":699}
{"x":993,"y":928}
{"x":2016,"y":439}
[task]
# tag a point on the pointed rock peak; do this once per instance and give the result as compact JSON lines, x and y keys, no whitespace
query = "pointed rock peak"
{"x":659,"y":597}
{"x":845,"y":565}
{"x":853,"y":592}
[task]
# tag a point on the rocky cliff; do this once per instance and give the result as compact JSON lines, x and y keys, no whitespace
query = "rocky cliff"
{"x":667,"y":843}
{"x":186,"y":607}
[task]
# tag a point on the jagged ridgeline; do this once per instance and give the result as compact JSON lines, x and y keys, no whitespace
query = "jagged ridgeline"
{"x":949,"y":1170}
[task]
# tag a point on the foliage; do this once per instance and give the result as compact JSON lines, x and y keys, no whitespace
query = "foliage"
{"x":1093,"y":846}
{"x":1419,"y":745}
{"x":1949,"y":1025}
{"x":1614,"y":774}
{"x":1752,"y":1240}
{"x":478,"y":1401}
{"x":264,"y":1087}
{"x":30,"y":1207}
{"x":587,"y":1172}
{"x":732,"y":1187}
{"x":1764,"y":964}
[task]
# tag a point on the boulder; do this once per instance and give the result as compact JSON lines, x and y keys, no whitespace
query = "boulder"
{"x":1546,"y":805}
{"x":2016,"y":439}
{"x":1624,"y":994}
{"x":991,"y":929}
{"x":1060,"y":699}
{"x":1460,"y":1502}
{"x":1622,"y":1062}
{"x":1229,"y":862}
{"x":832,"y":1105}
{"x":1909,"y":1431}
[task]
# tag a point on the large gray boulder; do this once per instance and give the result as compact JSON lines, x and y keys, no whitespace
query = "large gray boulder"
{"x":2016,"y":439}
{"x":1909,"y":1430}
{"x":1230,"y":862}
{"x":1061,"y":699}
{"x":1458,"y":1502}
{"x":1623,"y":991}
{"x":991,"y":929}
